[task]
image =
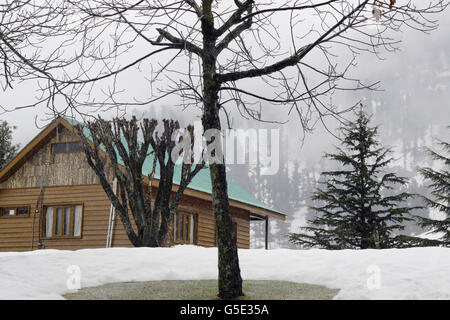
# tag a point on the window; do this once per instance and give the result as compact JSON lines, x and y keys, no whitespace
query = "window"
{"x":22,"y":211}
{"x":67,"y":147}
{"x":15,"y":212}
{"x":185,"y":228}
{"x":62,"y":221}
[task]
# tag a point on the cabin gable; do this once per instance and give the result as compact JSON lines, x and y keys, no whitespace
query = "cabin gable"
{"x":49,"y":167}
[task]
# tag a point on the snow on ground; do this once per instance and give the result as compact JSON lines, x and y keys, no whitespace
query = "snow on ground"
{"x":417,"y":273}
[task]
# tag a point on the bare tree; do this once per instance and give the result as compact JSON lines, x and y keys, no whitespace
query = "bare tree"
{"x":220,"y":56}
{"x":116,"y":144}
{"x":24,"y":28}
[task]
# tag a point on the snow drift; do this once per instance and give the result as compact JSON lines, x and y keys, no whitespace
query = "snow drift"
{"x":417,"y":273}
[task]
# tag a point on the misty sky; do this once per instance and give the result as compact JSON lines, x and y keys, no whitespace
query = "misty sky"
{"x":415,"y":49}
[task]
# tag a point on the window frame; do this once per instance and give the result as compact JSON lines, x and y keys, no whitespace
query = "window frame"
{"x":176,"y":228}
{"x":62,"y":206}
{"x":67,"y":142}
{"x":16,"y":209}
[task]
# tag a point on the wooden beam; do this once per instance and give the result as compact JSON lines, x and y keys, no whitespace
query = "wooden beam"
{"x":267,"y":233}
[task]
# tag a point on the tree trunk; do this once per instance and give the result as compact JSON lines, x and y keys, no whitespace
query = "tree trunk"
{"x":230,"y":281}
{"x":166,"y":219}
{"x":148,"y":238}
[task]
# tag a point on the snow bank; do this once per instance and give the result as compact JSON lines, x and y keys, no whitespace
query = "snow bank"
{"x":418,"y":273}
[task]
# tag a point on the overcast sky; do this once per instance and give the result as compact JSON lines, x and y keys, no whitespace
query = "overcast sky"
{"x":415,"y":48}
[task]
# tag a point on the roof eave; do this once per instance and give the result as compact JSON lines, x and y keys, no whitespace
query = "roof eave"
{"x":27,"y":151}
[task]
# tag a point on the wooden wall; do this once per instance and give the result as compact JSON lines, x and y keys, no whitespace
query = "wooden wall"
{"x":16,"y":233}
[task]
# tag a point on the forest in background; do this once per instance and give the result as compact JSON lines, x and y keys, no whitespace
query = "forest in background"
{"x":409,"y":111}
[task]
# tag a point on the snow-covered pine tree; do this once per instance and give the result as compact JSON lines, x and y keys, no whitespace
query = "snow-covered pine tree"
{"x":7,"y":149}
{"x":354,"y":211}
{"x":440,"y":193}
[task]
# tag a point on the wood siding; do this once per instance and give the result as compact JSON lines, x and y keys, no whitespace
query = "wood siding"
{"x":16,"y":233}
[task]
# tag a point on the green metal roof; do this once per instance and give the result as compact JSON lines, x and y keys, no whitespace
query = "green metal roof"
{"x":201,"y":181}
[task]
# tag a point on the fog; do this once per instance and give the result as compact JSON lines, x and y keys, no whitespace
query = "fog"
{"x":418,"y":75}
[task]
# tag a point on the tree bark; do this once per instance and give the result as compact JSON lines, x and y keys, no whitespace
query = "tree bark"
{"x":148,"y":238}
{"x":230,"y":281}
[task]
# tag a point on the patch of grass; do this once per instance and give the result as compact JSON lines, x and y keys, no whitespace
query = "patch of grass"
{"x":202,"y":290}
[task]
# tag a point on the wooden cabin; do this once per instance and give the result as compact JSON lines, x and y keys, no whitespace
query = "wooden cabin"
{"x":51,"y":199}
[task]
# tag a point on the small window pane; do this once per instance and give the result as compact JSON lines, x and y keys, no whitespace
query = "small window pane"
{"x":49,"y":222}
{"x":22,"y":211}
{"x":77,"y":220}
{"x":191,"y":232}
{"x":59,"y":218}
{"x":186,"y":221}
{"x":58,"y":148}
{"x":8,"y":212}
{"x":74,"y":147}
{"x":67,"y":147}
{"x":66,"y":221}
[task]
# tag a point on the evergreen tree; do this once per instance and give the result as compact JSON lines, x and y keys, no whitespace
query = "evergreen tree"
{"x":7,"y":149}
{"x":355,"y":211}
{"x":440,"y":193}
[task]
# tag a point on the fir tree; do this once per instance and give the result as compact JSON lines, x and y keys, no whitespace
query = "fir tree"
{"x":355,"y":211}
{"x":7,"y":149}
{"x":440,"y":193}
